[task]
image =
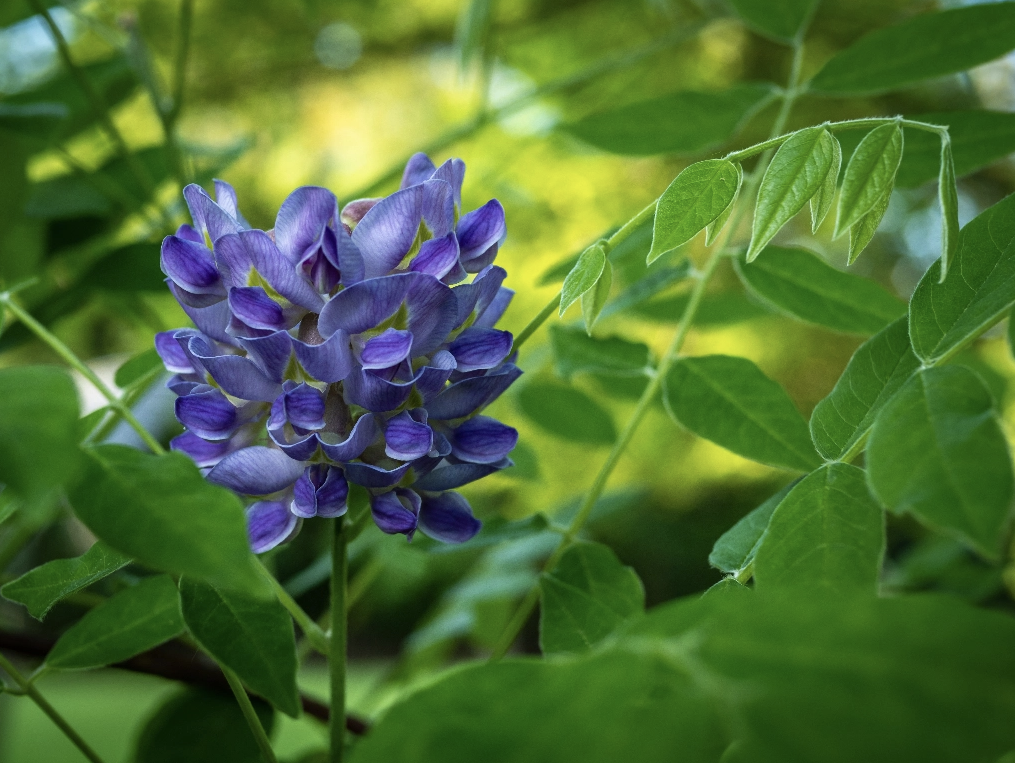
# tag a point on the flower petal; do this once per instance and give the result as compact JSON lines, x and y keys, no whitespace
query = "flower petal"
{"x":236,"y":375}
{"x":367,"y":390}
{"x":303,"y":406}
{"x":434,"y":375}
{"x":256,"y":470}
{"x":448,"y":517}
{"x":207,"y":414}
{"x":418,"y":169}
{"x":438,"y":256}
{"x":245,"y":256}
{"x":363,"y":433}
{"x":406,"y":439}
{"x":448,"y":476}
{"x":320,"y":491}
{"x":329,"y":361}
{"x":225,"y":197}
{"x":438,"y":207}
{"x":270,"y":353}
{"x":212,"y":320}
{"x":478,"y":295}
{"x":432,"y":310}
{"x":464,"y":397}
{"x":209,"y":217}
{"x":269,"y":523}
{"x":190,"y":233}
{"x":372,"y":476}
{"x":172,"y":354}
{"x":253,"y":306}
{"x":395,"y":511}
{"x":481,"y":261}
{"x":355,"y":210}
{"x":301,"y":220}
{"x":387,"y":232}
{"x":332,"y":495}
{"x":205,"y":453}
{"x":483,"y":440}
{"x":493,"y":312}
{"x":191,"y":266}
{"x":478,"y":348}
{"x":480,"y":229}
{"x":453,"y":173}
{"x":387,"y":349}
{"x":366,"y":304}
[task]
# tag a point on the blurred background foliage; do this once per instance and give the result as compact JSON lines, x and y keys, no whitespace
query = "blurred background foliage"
{"x":569,"y":112}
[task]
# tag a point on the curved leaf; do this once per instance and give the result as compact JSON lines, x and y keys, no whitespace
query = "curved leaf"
{"x":869,"y":176}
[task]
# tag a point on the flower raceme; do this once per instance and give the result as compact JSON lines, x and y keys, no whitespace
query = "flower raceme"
{"x":354,"y":345}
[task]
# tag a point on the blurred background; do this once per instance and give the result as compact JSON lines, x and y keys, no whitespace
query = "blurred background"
{"x":534,"y":95}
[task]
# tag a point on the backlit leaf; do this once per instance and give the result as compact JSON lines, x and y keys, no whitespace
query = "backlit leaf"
{"x":583,"y":276}
{"x":594,"y":300}
{"x":696,"y":197}
{"x":576,"y":352}
{"x":714,"y":228}
{"x":821,"y":202}
{"x":566,"y":412}
{"x":869,"y":175}
{"x":863,"y":230}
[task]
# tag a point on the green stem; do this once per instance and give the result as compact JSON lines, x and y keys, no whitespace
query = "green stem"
{"x":362,"y":580}
{"x":532,"y":326}
{"x":250,"y":715}
{"x":339,"y":636}
{"x":29,"y":690}
{"x":77,"y":364}
{"x":180,"y":60}
{"x":311,"y":630}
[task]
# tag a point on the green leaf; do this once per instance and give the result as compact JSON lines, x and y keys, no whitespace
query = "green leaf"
{"x":731,"y":402}
{"x":32,"y":119}
{"x":736,"y":548}
{"x":583,"y":276}
{"x":575,"y":352}
{"x":821,"y":202}
{"x":566,"y":412}
{"x":133,"y":621}
{"x":869,"y":175}
{"x":41,"y":588}
{"x":797,"y":172}
{"x":864,"y":229}
{"x":944,"y":317}
{"x":129,"y":268}
{"x":253,"y":637}
{"x":926,"y":46}
{"x":696,"y":197}
{"x":137,"y":367}
{"x":718,"y":309}
{"x":781,"y":19}
{"x":877,"y":370}
{"x":803,"y":285}
{"x":948,"y":197}
{"x":594,"y":300}
{"x":655,"y":280}
{"x":38,"y":451}
{"x":162,"y":512}
{"x":684,"y":122}
{"x":828,"y":534}
{"x":977,"y":137}
{"x":937,"y":451}
{"x":200,"y":726}
{"x":472,"y":31}
{"x":585,"y":598}
{"x":714,"y":228}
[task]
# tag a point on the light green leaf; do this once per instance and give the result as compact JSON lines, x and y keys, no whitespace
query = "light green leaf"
{"x":566,"y":412}
{"x":583,"y":276}
{"x":682,"y":122}
{"x":655,"y":280}
{"x":716,"y":309}
{"x":575,"y":352}
{"x":472,"y":31}
{"x":803,"y":285}
{"x":977,"y":137}
{"x":714,"y":228}
{"x":864,"y":229}
{"x":731,"y":402}
{"x":696,"y":197}
{"x":937,"y":451}
{"x":828,"y":534}
{"x":944,"y":317}
{"x":923,"y":47}
{"x":781,"y":19}
{"x":736,"y":548}
{"x":948,"y":197}
{"x":201,"y":726}
{"x":821,"y":202}
{"x":252,"y":637}
{"x":133,"y":621}
{"x":869,"y":176}
{"x":38,"y":451}
{"x":594,"y":300}
{"x":41,"y":588}
{"x":162,"y":512}
{"x":877,"y":370}
{"x":138,"y":366}
{"x":797,"y":172}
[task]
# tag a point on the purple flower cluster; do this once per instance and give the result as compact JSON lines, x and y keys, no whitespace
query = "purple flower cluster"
{"x":343,"y":346}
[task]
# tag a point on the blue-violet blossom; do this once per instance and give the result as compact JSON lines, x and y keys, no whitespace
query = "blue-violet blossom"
{"x":343,"y":346}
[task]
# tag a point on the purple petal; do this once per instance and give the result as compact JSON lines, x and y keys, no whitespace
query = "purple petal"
{"x":437,"y":256}
{"x":395,"y":511}
{"x":418,"y":169}
{"x":432,"y":310}
{"x":349,"y":258}
{"x":301,"y":220}
{"x":354,"y":211}
{"x":385,"y":350}
{"x":360,"y":438}
{"x":237,"y":375}
{"x":478,"y":295}
{"x":320,"y":491}
{"x":253,"y":306}
{"x":434,"y":375}
{"x":191,"y":266}
{"x":211,"y":320}
{"x":332,"y":495}
{"x":207,"y":414}
{"x":463,"y":398}
{"x":482,"y":261}
{"x":172,"y":354}
{"x":364,"y":305}
{"x":204,"y":452}
{"x":209,"y":217}
{"x":256,"y":470}
{"x":270,"y":353}
{"x":269,"y":523}
{"x":406,"y":439}
{"x":189,"y":233}
{"x":448,"y":517}
{"x":303,"y":406}
{"x":371,"y":476}
{"x":493,"y":312}
{"x":242,"y":257}
{"x":367,"y":390}
{"x":453,"y":173}
{"x":483,"y":440}
{"x":449,"y":476}
{"x":476,"y":348}
{"x":387,"y":232}
{"x":330,"y":361}
{"x":457,"y":275}
{"x":438,"y":207}
{"x":225,"y":197}
{"x":480,"y":229}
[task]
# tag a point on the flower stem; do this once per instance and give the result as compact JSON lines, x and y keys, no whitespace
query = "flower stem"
{"x":26,"y":688}
{"x":311,"y":630}
{"x":337,"y":655}
{"x":250,"y":715}
{"x":532,"y":326}
{"x":79,"y":365}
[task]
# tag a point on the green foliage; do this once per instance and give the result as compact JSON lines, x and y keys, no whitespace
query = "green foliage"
{"x":594,"y":300}
{"x":137,"y":367}
{"x":161,"y":511}
{"x":977,"y":138}
{"x":575,"y":352}
{"x":821,"y":202}
{"x":869,"y":176}
{"x":801,"y":284}
{"x":585,"y":598}
{"x":729,"y":401}
{"x":43,"y":587}
{"x":736,"y":548}
{"x":780,"y":19}
{"x":566,"y":412}
{"x":130,"y":622}
{"x":937,"y":451}
{"x":583,"y":276}
{"x":949,"y":200}
{"x":252,"y":637}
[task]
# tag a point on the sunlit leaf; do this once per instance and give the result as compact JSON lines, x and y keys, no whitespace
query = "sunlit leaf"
{"x":863,"y":230}
{"x":583,"y":276}
{"x":696,"y":197}
{"x":869,"y":176}
{"x":576,"y":352}
{"x":594,"y":300}
{"x":781,"y":19}
{"x":821,"y":202}
{"x":736,"y":548}
{"x":566,"y":412}
{"x":714,"y":228}
{"x":949,"y":199}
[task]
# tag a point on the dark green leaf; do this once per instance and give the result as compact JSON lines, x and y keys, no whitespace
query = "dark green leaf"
{"x":32,"y":119}
{"x":585,"y":597}
{"x":781,"y":19}
{"x":472,"y":31}
{"x":877,"y":370}
{"x":864,"y":229}
{"x":797,"y":172}
{"x":41,"y":588}
{"x":937,"y":451}
{"x":696,"y":197}
{"x":944,"y":317}
{"x":978,"y":138}
{"x":736,"y":548}
{"x":566,"y":412}
{"x":731,"y":402}
{"x":803,"y":285}
{"x":525,"y":466}
{"x":828,"y":534}
{"x":576,"y":352}
{"x":682,"y":122}
{"x":137,"y":367}
{"x":38,"y":451}
{"x":719,"y":309}
{"x":869,"y":176}
{"x":130,"y":268}
{"x":133,"y":621}
{"x":161,"y":511}
{"x":821,"y":202}
{"x":200,"y":726}
{"x":253,"y":637}
{"x":594,"y":300}
{"x":583,"y":276}
{"x":654,"y":281}
{"x":948,"y":197}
